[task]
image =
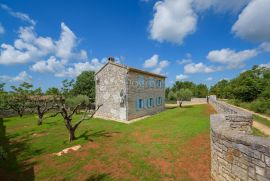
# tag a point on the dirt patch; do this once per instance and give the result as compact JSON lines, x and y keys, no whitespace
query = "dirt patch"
{"x":195,"y":159}
{"x":191,"y":163}
{"x":210,"y":110}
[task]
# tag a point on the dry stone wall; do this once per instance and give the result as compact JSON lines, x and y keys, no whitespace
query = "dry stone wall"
{"x":235,"y":153}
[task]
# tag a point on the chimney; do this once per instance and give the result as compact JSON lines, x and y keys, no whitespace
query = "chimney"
{"x":111,"y":59}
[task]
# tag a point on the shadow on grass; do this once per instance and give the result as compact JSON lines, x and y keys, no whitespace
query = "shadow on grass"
{"x":10,"y":168}
{"x":88,"y":136}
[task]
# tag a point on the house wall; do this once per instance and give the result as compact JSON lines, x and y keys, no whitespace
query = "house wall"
{"x":110,"y":81}
{"x":135,"y":92}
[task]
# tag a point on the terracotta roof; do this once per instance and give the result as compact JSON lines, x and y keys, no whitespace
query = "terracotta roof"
{"x":132,"y":69}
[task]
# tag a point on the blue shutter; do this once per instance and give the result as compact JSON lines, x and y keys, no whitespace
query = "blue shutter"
{"x":157,"y":101}
{"x":137,"y":104}
{"x":148,"y":102}
{"x":154,"y":102}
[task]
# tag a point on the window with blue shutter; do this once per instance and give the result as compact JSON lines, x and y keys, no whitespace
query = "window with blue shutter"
{"x":137,"y":104}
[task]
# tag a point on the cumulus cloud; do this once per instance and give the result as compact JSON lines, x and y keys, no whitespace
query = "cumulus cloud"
{"x":252,"y":23}
{"x":265,"y":46}
{"x":156,"y":64}
{"x":230,"y":57}
{"x":21,"y":77}
{"x":173,"y":21}
{"x":193,"y":68}
{"x":181,"y":77}
{"x":31,"y":47}
{"x":78,"y":68}
{"x":220,"y":6}
{"x":51,"y":65}
{"x":22,"y":16}
{"x":186,"y":60}
{"x":209,"y":79}
{"x":151,"y":62}
{"x":267,"y":65}
{"x":2,"y":29}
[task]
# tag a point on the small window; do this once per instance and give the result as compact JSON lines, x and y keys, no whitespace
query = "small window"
{"x":150,"y":102}
{"x":139,"y":104}
{"x":141,"y":80}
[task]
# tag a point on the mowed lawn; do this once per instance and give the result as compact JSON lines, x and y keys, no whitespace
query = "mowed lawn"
{"x":172,"y":145}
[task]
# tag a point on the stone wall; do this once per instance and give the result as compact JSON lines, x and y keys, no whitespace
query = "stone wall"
{"x":109,"y":84}
{"x":235,"y":153}
{"x":143,"y":92}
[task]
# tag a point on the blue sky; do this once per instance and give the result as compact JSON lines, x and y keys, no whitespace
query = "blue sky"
{"x":203,"y":41}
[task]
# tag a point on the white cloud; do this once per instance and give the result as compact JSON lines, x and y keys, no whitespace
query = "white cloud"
{"x":173,"y":21}
{"x":230,"y":57}
{"x":265,"y":46}
{"x":21,"y":77}
{"x":209,"y":79}
{"x":31,"y":47}
{"x":151,"y":62}
{"x":78,"y":68}
{"x":156,"y":64}
{"x":2,"y":29}
{"x":267,"y":65}
{"x":193,"y":68}
{"x":66,"y":43}
{"x":184,"y":61}
{"x":50,"y":65}
{"x":252,"y":23}
{"x":220,"y":6}
{"x":19,"y":15}
{"x":181,"y":77}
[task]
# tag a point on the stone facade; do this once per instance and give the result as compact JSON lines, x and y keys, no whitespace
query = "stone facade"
{"x":119,"y":88}
{"x":235,"y":153}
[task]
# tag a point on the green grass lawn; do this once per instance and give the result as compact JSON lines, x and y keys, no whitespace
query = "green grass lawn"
{"x":261,"y":120}
{"x":171,"y":145}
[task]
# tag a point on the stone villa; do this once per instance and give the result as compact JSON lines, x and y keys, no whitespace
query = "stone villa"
{"x":128,"y":93}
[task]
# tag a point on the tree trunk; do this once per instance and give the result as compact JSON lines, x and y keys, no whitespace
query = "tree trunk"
{"x":71,"y":134}
{"x":20,"y":114}
{"x":40,"y":120}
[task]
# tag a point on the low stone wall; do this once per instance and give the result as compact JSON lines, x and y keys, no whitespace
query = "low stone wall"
{"x":197,"y":100}
{"x":235,"y":153}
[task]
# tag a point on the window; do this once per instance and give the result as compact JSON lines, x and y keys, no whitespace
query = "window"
{"x":158,"y":84}
{"x":159,"y":100}
{"x":151,"y":83}
{"x":139,"y":104}
{"x":150,"y":102}
{"x":141,"y":80}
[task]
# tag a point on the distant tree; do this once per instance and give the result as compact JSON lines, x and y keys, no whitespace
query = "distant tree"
{"x":167,"y":90}
{"x":72,"y":102}
{"x":222,"y":89}
{"x":17,"y":99}
{"x":200,"y":91}
{"x":67,"y":86}
{"x":171,"y":96}
{"x":53,"y":91}
{"x":85,"y":85}
{"x":2,"y":97}
{"x":183,"y":95}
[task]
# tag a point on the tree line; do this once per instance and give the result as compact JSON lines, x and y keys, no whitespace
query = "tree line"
{"x":251,"y":89}
{"x":66,"y":101}
{"x":184,"y":91}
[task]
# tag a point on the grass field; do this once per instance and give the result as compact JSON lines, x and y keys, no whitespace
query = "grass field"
{"x":172,"y":145}
{"x":262,"y":120}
